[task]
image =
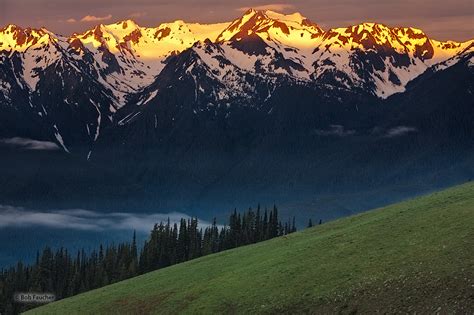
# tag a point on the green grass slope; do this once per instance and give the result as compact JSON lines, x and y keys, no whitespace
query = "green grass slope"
{"x":414,"y":256}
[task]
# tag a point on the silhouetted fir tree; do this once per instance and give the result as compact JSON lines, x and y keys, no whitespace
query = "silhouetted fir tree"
{"x":264,"y":234}
{"x":270,"y":227}
{"x":182,"y":247}
{"x":258,"y":225}
{"x":45,"y":270}
{"x":134,"y":245}
{"x":273,"y":224}
{"x":174,"y":244}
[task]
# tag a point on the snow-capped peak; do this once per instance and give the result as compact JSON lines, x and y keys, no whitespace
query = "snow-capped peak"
{"x":290,"y":18}
{"x":388,"y":58}
{"x":130,"y":56}
{"x":16,"y":38}
{"x":269,"y":24}
{"x":127,"y":25}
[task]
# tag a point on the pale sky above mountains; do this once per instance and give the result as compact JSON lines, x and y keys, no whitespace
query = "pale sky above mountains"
{"x":440,"y":19}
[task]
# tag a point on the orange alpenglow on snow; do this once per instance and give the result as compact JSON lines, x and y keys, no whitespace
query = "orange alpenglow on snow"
{"x":141,"y":52}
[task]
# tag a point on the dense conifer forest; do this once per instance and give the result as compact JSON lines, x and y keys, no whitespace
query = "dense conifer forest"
{"x":66,"y":274}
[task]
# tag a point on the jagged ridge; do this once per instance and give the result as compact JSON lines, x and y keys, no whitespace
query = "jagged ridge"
{"x":240,"y":62}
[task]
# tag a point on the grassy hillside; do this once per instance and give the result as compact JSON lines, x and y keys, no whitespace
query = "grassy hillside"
{"x":417,"y":255}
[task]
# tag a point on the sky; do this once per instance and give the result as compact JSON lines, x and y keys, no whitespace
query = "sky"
{"x":440,"y":19}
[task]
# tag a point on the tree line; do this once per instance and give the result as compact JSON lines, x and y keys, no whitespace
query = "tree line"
{"x":66,"y":274}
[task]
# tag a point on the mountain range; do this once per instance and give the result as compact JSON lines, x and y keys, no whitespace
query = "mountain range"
{"x":189,"y":114}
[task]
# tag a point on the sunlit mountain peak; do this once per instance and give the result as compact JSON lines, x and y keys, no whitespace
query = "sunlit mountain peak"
{"x":270,"y":25}
{"x":16,"y":38}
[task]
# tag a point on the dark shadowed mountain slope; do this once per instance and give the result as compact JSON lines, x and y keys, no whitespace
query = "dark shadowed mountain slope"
{"x":268,"y":108}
